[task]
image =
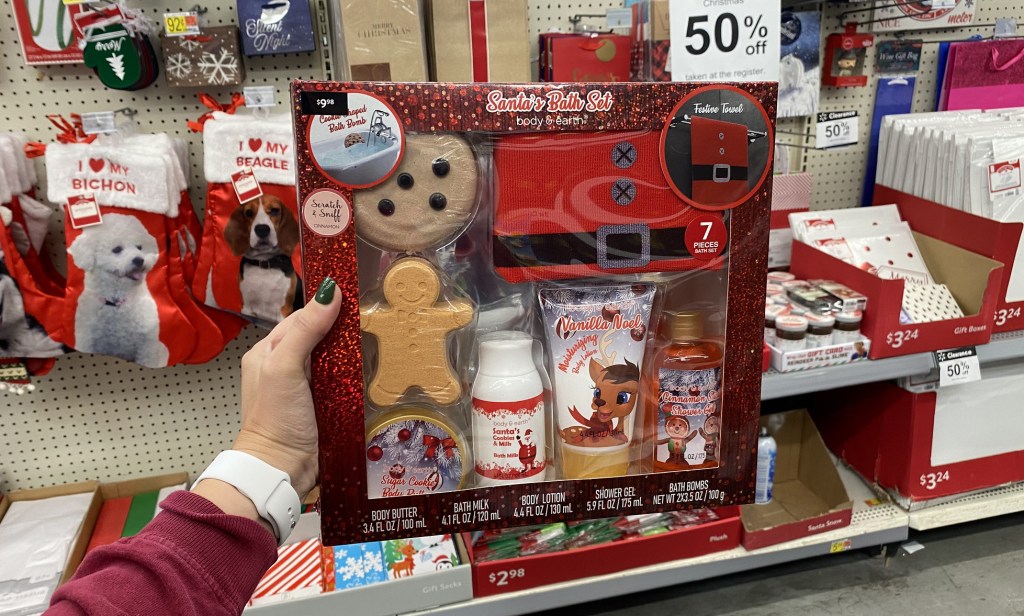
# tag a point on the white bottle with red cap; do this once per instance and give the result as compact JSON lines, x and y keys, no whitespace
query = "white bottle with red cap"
{"x":509,"y":414}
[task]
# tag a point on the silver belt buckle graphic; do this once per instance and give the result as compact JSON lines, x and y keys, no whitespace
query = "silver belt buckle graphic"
{"x":722,"y":173}
{"x":603,"y":233}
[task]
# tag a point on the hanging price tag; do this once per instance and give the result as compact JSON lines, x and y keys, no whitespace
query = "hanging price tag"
{"x":1004,"y":178}
{"x":260,"y":96}
{"x":247,"y":187}
{"x":185,"y":23}
{"x":958,"y":366}
{"x":83,"y":211}
{"x":98,"y":123}
{"x":837,"y":128}
{"x":620,"y":18}
{"x":725,"y":41}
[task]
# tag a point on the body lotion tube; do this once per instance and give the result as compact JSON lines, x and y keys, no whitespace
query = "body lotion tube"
{"x":596,"y":337}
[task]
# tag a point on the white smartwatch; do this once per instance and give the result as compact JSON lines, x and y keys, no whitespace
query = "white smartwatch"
{"x":269,"y":489}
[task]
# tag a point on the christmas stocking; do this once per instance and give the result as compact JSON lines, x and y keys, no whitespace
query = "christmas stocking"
{"x":119,"y":300}
{"x":249,"y":262}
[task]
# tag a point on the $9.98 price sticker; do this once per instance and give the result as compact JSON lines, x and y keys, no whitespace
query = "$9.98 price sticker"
{"x":725,"y":41}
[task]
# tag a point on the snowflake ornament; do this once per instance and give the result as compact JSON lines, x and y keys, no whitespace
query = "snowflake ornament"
{"x":189,"y":44}
{"x":219,"y":68}
{"x":179,"y":65}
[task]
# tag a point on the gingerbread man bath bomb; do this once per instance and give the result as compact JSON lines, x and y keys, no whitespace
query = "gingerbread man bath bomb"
{"x":428,"y":200}
{"x":412,"y":333}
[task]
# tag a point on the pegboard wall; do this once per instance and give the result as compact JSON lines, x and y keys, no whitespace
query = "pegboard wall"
{"x":106,"y":419}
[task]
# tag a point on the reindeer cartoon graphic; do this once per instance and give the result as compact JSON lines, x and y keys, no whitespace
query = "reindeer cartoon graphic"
{"x":615,"y":391}
{"x":406,"y":565}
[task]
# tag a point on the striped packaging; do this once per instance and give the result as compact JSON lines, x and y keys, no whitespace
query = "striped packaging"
{"x":295,"y":574}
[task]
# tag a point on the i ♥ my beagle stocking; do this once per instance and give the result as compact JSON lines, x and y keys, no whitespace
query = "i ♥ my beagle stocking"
{"x":249,"y":262}
{"x":118,"y":297}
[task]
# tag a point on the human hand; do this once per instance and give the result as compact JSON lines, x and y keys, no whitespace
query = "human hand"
{"x":278,"y":422}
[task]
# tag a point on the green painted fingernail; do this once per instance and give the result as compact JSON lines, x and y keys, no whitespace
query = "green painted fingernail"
{"x":325,"y":293}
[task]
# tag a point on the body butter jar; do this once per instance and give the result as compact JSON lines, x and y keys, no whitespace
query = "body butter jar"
{"x":819,"y":330}
{"x":791,"y":333}
{"x":847,"y":327}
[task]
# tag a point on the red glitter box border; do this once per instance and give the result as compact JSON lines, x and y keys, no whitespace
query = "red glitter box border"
{"x":337,"y":375}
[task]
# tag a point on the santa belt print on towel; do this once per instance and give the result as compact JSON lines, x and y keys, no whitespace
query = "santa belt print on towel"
{"x":611,"y":248}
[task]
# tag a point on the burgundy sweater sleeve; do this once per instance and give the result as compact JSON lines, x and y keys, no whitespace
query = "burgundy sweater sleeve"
{"x":191,"y":560}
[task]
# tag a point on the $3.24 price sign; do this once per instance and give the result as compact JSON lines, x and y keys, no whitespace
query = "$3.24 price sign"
{"x":958,"y":366}
{"x":837,"y":128}
{"x":720,"y":41}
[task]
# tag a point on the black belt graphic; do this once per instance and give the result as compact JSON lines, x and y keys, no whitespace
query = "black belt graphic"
{"x":718,"y":173}
{"x":611,"y":247}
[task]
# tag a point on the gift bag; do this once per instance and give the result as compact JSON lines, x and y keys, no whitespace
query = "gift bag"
{"x":249,"y":261}
{"x":984,"y":75}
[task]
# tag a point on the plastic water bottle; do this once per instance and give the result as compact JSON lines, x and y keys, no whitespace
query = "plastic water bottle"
{"x":766,"y":452}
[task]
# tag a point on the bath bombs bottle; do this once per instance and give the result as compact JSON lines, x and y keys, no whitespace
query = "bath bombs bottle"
{"x":685,"y":385}
{"x":509,"y":415}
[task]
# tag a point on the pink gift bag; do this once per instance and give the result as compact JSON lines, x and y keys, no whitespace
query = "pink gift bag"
{"x":984,"y":75}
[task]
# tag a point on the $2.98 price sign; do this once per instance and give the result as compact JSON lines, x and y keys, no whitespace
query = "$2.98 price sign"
{"x":958,"y":366}
{"x":502,"y":578}
{"x":837,"y":128}
{"x":719,"y":41}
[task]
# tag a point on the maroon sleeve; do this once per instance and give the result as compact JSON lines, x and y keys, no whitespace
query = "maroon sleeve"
{"x":191,"y":560}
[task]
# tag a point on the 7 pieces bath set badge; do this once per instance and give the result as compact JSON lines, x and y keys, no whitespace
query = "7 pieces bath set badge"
{"x":544,"y":276}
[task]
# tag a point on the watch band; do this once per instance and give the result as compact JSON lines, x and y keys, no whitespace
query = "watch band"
{"x":269,"y":489}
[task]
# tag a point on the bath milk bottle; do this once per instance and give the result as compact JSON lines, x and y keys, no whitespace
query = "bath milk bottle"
{"x":687,"y":392}
{"x":509,"y":417}
{"x":767,"y":449}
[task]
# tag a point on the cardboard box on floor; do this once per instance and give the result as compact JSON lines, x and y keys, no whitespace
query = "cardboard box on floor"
{"x":808,"y":498}
{"x":81,"y":541}
{"x":974,"y":281}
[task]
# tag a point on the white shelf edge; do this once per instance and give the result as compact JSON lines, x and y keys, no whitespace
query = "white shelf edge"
{"x":782,"y":384}
{"x":1002,"y":347}
{"x":979,"y":506}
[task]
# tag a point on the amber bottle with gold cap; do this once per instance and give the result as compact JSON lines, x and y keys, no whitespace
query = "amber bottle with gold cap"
{"x":683,"y":411}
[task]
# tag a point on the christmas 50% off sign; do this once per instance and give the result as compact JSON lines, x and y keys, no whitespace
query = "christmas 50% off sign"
{"x":725,"y":40}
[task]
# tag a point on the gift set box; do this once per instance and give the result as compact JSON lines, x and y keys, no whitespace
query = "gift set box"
{"x":927,"y":447}
{"x":478,"y":40}
{"x":548,"y":299}
{"x":381,"y":39}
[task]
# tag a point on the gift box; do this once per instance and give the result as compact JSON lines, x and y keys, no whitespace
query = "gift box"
{"x":211,"y":58}
{"x":127,"y":506}
{"x":928,"y":447}
{"x":431,"y":385}
{"x":973,"y":280}
{"x":479,"y":40}
{"x":405,"y":557}
{"x":382,"y":39}
{"x":275,"y":27}
{"x":494,"y":577}
{"x":808,"y":496}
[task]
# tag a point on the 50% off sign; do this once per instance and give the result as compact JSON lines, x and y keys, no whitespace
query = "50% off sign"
{"x":725,"y":40}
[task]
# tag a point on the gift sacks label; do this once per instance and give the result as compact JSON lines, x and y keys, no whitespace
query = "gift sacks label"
{"x":689,"y":423}
{"x":509,"y":438}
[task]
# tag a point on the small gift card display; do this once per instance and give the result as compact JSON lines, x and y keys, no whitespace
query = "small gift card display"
{"x":275,"y":26}
{"x":211,"y":58}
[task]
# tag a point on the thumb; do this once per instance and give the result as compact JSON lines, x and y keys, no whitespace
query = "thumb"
{"x":310,"y":324}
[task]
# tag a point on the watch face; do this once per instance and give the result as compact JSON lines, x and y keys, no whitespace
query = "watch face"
{"x":414,"y":453}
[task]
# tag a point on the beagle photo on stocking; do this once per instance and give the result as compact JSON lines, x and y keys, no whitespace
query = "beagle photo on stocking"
{"x":265,"y":233}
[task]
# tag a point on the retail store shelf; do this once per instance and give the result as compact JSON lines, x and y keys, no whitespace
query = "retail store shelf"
{"x":874,"y":524}
{"x":977,"y":506}
{"x":1003,"y":347}
{"x":779,"y":385}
